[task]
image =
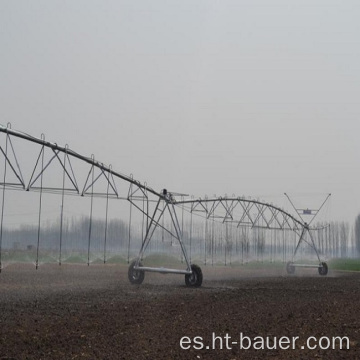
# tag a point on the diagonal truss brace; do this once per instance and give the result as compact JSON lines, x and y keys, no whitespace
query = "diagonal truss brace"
{"x":71,"y":176}
{"x":306,"y":230}
{"x":90,"y":184}
{"x":164,"y":205}
{"x":15,"y":168}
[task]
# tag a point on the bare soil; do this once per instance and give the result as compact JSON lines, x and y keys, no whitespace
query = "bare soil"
{"x":81,"y":312}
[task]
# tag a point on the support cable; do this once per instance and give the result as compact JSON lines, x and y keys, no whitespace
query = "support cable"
{"x":206,"y":223}
{"x":106,"y":218}
{"x":40,"y":203}
{"x":129,"y":233}
{"x":62,"y":209}
{"x":212,"y":240}
{"x":3,"y":203}
{"x":143,"y":217}
{"x":191,"y":230}
{"x":182,"y":225}
{"x":91,"y":213}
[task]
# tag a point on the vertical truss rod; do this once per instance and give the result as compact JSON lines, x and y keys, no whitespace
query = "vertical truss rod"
{"x":3,"y":206}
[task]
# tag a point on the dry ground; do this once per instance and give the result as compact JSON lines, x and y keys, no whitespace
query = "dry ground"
{"x":80,"y":312}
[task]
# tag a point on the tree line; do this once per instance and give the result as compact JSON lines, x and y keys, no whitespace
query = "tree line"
{"x":211,"y":241}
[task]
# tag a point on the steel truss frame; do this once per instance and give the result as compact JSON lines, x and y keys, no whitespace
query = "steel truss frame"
{"x":165,"y":202}
{"x":152,"y":204}
{"x":291,"y":265}
{"x":256,"y":214}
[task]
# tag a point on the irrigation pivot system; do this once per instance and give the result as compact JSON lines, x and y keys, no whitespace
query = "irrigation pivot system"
{"x":86,"y":177}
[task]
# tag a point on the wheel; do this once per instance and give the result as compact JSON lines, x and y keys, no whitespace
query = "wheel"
{"x":290,"y":268}
{"x":323,"y":269}
{"x":195,"y":279}
{"x":135,"y":276}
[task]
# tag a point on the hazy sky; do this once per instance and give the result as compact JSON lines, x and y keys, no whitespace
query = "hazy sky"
{"x":252,"y":98}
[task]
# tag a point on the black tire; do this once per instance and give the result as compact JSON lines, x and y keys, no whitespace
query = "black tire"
{"x":290,"y":268}
{"x":323,"y":269}
{"x":195,"y":279}
{"x":135,"y":276}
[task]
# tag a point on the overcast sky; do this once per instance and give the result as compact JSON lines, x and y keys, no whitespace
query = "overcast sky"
{"x":252,"y":98}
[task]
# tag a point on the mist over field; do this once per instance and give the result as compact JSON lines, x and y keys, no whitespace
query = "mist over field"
{"x":234,"y":97}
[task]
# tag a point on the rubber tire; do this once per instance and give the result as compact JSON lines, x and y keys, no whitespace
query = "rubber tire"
{"x":136,"y":277}
{"x":324,"y":269}
{"x":290,"y":268}
{"x":195,"y":279}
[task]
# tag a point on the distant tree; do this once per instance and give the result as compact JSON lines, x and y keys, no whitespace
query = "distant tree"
{"x":357,"y":234}
{"x":352,"y":242}
{"x":344,"y":236}
{"x":334,"y":238}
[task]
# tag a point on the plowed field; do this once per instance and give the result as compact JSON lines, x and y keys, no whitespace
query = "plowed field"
{"x":81,"y":312}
